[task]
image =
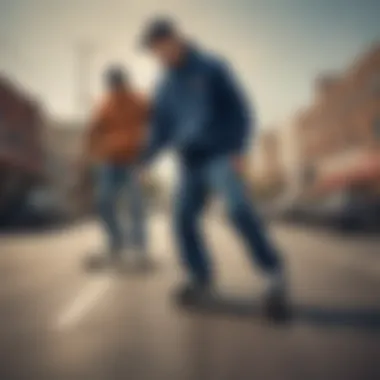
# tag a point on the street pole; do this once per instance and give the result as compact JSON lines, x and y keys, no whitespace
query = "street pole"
{"x":84,"y":59}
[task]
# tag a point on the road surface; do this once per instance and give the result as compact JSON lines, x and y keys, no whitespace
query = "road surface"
{"x":57,"y":322}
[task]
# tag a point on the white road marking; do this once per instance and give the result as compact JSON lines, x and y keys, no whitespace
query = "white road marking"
{"x":83,"y":303}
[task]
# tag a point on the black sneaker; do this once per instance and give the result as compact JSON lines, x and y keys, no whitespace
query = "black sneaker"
{"x":191,"y":293}
{"x":277,"y":307}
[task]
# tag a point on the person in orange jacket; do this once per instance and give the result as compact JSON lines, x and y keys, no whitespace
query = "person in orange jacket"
{"x":115,"y":139}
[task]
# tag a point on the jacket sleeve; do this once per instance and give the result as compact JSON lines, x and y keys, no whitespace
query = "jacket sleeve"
{"x":241,"y":117}
{"x":159,"y":126}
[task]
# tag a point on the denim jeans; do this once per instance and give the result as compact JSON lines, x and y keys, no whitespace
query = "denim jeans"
{"x":116,"y":184}
{"x":197,"y":182}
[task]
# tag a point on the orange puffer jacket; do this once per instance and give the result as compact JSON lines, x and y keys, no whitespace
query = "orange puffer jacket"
{"x":117,"y":133}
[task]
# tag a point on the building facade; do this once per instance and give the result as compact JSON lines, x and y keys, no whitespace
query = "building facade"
{"x":21,"y":147}
{"x":338,"y":136}
{"x":267,"y":171}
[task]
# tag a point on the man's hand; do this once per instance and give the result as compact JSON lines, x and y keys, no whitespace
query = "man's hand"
{"x":239,"y":164}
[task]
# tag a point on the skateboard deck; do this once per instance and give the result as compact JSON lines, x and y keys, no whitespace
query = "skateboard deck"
{"x":238,"y":305}
{"x":252,"y":307}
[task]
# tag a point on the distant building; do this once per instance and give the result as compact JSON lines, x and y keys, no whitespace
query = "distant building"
{"x":267,"y":170}
{"x":21,"y":148}
{"x":21,"y":124}
{"x":339,"y":134}
{"x":63,"y":140}
{"x":325,"y":84}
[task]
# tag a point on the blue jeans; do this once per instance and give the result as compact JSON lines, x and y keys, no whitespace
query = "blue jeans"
{"x":116,"y":183}
{"x":195,"y":186}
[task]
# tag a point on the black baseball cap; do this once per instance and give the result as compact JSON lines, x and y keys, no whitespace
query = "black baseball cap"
{"x":115,"y":75}
{"x":157,"y":29}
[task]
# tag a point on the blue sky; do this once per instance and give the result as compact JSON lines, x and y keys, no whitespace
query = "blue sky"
{"x":277,"y":46}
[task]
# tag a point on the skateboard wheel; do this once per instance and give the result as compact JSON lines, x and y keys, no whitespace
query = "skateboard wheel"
{"x":277,"y":310}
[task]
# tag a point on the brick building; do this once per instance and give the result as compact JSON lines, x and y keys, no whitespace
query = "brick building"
{"x":20,"y":132}
{"x":339,"y":134}
{"x":21,"y":148}
{"x":64,"y":140}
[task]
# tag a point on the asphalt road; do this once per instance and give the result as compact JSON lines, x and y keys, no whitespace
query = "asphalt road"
{"x":58,"y":322}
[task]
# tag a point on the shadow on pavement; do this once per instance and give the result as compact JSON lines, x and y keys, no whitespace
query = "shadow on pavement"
{"x":355,"y":317}
{"x":346,"y":317}
{"x":32,"y":224}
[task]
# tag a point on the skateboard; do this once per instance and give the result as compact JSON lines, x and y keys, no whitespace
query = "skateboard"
{"x":275,"y":310}
{"x":98,"y":264}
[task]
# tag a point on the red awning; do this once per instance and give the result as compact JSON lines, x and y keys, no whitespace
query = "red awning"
{"x":365,"y":172}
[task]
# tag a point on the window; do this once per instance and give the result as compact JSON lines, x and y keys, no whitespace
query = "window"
{"x":350,"y":136}
{"x":376,"y":127}
{"x":375,"y":85}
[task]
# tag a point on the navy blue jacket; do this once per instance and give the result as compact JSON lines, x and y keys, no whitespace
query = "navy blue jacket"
{"x":199,"y":110}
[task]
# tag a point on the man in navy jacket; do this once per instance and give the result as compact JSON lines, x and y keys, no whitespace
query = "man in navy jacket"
{"x":200,"y":111}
